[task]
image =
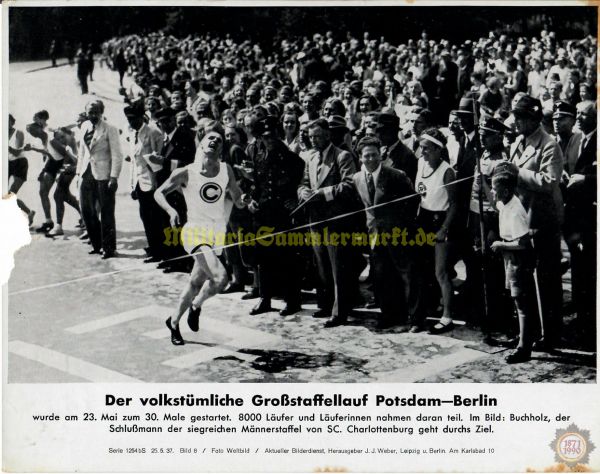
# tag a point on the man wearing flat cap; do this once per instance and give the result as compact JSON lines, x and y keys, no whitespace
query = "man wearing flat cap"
{"x":540,"y":163}
{"x":277,"y":174}
{"x":145,"y":142}
{"x":394,"y":153}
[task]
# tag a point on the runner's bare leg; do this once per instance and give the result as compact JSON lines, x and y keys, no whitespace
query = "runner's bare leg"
{"x":192,"y":288}
{"x":217,"y":277}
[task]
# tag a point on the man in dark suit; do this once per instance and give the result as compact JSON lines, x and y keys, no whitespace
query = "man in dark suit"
{"x":394,"y":153}
{"x":469,"y":152}
{"x":395,"y":285}
{"x":447,"y":85}
{"x":325,"y":187}
{"x":581,"y":225}
{"x":178,"y":150}
{"x":277,"y":172}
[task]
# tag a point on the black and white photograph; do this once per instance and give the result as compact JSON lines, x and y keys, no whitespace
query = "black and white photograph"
{"x":302,"y":193}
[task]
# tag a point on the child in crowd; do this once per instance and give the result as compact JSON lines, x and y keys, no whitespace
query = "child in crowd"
{"x":515,"y":245}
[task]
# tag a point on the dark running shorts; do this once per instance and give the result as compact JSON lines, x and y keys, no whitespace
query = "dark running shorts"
{"x":52,"y":167}
{"x":18,"y":168}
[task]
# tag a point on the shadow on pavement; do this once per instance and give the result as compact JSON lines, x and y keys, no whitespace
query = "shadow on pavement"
{"x":273,"y":361}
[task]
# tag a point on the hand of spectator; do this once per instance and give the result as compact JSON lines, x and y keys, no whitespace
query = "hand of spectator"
{"x":174,"y":218}
{"x":113,"y":185}
{"x":497,"y":245}
{"x":305,"y":194}
{"x":441,"y":235}
{"x":253,"y":206}
{"x":156,"y":159}
{"x":576,"y":180}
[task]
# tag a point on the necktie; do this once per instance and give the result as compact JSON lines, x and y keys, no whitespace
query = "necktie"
{"x":320,"y":166}
{"x":384,"y":153}
{"x":371,"y":186}
{"x":89,"y":135}
{"x":136,"y":137}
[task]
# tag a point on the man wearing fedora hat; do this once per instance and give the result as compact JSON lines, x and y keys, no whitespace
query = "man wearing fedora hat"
{"x":394,"y":153}
{"x":339,"y":133}
{"x":540,"y":163}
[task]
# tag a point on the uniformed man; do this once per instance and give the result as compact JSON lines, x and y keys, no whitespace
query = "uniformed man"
{"x":277,"y":174}
{"x":540,"y":163}
{"x":481,"y":206}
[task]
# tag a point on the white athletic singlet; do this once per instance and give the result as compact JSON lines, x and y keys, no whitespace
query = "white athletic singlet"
{"x":206,"y":212}
{"x":434,"y":196}
{"x":12,"y":142}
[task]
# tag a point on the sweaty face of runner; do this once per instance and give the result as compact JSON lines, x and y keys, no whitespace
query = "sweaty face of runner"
{"x":212,"y":144}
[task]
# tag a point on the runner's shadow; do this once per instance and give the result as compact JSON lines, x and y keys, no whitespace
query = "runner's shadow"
{"x":273,"y":361}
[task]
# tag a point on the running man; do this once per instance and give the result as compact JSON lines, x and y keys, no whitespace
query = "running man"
{"x":17,"y":164}
{"x":204,"y":185}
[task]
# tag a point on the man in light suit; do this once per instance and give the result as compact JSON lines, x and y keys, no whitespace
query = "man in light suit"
{"x":146,"y":140}
{"x":99,"y":166}
{"x":540,"y":163}
{"x":395,"y":283}
{"x":326,"y":188}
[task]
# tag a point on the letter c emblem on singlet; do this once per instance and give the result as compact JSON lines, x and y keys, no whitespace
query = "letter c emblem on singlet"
{"x":210,"y":192}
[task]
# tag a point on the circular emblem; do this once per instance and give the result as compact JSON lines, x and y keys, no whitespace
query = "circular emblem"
{"x":571,"y":447}
{"x":210,"y":192}
{"x":421,"y":188}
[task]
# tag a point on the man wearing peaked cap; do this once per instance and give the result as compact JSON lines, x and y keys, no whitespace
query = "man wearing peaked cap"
{"x":481,"y":207}
{"x":540,"y":163}
{"x":563,"y":120}
{"x":267,"y":126}
{"x":277,"y":174}
{"x":394,"y":153}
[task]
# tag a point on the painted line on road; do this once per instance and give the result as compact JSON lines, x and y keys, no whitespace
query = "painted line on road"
{"x":68,"y":364}
{"x":119,"y":318}
{"x":415,"y":373}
